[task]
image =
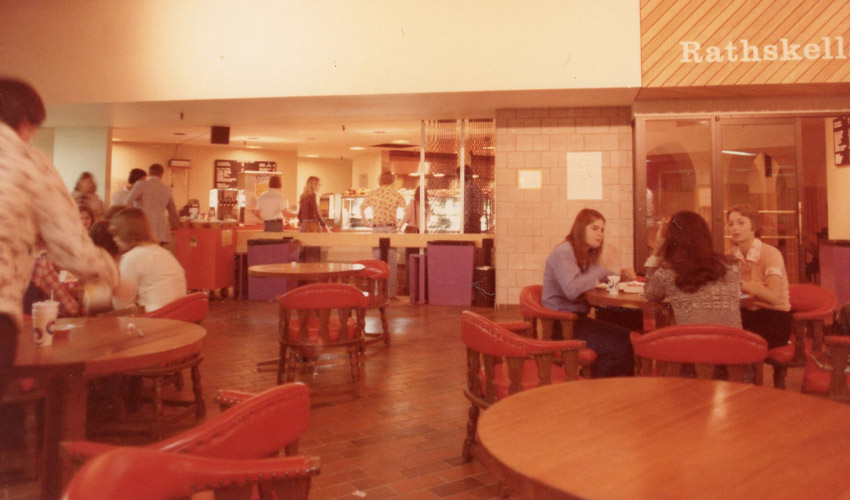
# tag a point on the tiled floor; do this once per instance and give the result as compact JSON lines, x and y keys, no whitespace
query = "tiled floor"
{"x":395,"y":434}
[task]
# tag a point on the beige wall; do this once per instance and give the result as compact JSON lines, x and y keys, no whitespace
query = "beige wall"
{"x":196,"y":181}
{"x":369,"y":165}
{"x":78,"y":150}
{"x":529,"y":223}
{"x":149,"y":50}
{"x":335,"y":175}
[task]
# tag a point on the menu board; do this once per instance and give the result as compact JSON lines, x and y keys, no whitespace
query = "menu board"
{"x":227,"y":171}
{"x":841,"y":136}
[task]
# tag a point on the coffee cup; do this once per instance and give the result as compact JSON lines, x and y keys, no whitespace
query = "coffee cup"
{"x":613,"y":281}
{"x":44,"y":316}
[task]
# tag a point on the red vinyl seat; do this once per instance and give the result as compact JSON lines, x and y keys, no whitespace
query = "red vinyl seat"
{"x":192,"y":308}
{"x":308,"y":324}
{"x":541,"y":321}
{"x":374,"y":280}
{"x":826,"y":373}
{"x":501,"y":362}
{"x":813,"y":308}
{"x":257,"y":427}
{"x":669,"y":348}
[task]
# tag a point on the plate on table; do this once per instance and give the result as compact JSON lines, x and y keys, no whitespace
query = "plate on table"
{"x":632,"y":287}
{"x":602,"y":286}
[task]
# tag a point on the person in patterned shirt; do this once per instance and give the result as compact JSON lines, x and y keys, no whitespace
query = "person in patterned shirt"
{"x":36,"y":213}
{"x":384,"y":202}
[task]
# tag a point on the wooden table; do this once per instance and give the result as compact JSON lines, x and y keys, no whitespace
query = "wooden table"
{"x":305,"y":272}
{"x":94,"y":347}
{"x":652,"y":311}
{"x":657,"y":438}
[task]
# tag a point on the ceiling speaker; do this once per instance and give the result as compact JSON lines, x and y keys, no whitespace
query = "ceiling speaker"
{"x":220,"y":135}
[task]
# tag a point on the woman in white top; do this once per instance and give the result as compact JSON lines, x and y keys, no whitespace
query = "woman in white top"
{"x":150,"y":275}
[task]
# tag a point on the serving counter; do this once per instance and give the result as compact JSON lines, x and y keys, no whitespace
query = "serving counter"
{"x":357,"y":239}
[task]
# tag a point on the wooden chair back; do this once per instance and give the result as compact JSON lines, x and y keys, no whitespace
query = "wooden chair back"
{"x":158,"y":475}
{"x":319,"y":316}
{"x":666,"y":350}
{"x":541,"y":319}
{"x":500,"y":362}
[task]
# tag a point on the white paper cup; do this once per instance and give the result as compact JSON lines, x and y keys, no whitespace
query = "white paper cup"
{"x":613,"y":281}
{"x":43,"y":317}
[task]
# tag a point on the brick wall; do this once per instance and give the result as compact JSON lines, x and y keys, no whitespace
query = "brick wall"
{"x":529,"y":223}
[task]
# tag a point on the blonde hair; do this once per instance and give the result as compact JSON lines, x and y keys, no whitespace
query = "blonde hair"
{"x":311,"y":186}
{"x":132,"y":226}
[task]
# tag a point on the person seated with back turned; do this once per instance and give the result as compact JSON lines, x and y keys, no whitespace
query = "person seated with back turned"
{"x":702,"y":285}
{"x":272,"y":207}
{"x":150,"y":275}
{"x":572,"y":269}
{"x":767,"y":311}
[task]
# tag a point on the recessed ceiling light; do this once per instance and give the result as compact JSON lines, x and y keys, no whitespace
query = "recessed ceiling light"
{"x":311,"y":156}
{"x":253,"y":138}
{"x":115,"y":139}
{"x":439,"y":175}
{"x":401,"y":141}
{"x":179,"y":133}
{"x":311,"y":138}
{"x":253,"y":147}
{"x":357,"y":148}
{"x":380,"y":131}
{"x":489,"y":147}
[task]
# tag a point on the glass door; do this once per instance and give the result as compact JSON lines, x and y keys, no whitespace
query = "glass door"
{"x":707,"y":164}
{"x":759,"y":160}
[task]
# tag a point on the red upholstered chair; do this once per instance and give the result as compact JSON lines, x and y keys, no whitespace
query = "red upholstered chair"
{"x":154,"y":475}
{"x":500,"y":362}
{"x":541,"y":321}
{"x":374,"y":282}
{"x":318,"y":316}
{"x":814,"y":309}
{"x":671,"y":347}
{"x":191,"y":308}
{"x":258,"y":427}
{"x":826,"y":372}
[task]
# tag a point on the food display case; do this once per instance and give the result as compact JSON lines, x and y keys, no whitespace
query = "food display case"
{"x":445,"y":215}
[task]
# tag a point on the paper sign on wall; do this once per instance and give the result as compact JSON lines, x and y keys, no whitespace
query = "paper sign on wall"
{"x":584,"y":176}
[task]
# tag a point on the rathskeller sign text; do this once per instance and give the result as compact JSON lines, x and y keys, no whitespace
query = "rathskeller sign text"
{"x":743,"y":51}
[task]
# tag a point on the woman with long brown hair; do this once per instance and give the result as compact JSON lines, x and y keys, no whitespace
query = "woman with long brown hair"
{"x":573,"y":268}
{"x":702,"y":285}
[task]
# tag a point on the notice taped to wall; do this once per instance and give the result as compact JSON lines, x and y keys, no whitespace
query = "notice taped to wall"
{"x":584,"y":176}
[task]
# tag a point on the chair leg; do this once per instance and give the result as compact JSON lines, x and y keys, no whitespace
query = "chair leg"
{"x":354,"y":359}
{"x":197,"y":389}
{"x":779,"y":373}
{"x":385,"y":325}
{"x":471,"y":429}
{"x":281,"y":364}
{"x":156,"y":428}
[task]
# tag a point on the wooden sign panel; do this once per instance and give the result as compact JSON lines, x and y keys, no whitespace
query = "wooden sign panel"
{"x":708,"y":43}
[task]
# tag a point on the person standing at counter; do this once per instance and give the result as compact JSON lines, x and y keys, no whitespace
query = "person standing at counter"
{"x":155,"y":199}
{"x":309,"y":218}
{"x":120,"y":196}
{"x":272,"y":207}
{"x":385,"y":202}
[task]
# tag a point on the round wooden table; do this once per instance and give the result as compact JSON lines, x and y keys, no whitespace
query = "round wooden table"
{"x":653,"y":312}
{"x":656,"y":438}
{"x":94,"y":347}
{"x":305,"y":272}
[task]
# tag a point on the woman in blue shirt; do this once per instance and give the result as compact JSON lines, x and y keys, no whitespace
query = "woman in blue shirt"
{"x":573,"y":268}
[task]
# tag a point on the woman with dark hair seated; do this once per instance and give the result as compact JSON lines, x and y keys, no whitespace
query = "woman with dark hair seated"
{"x":702,"y":285}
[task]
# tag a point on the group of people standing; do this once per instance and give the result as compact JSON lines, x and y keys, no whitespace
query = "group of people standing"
{"x":747,"y":288}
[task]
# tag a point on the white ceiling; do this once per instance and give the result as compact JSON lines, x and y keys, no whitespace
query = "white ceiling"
{"x":323,"y":126}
